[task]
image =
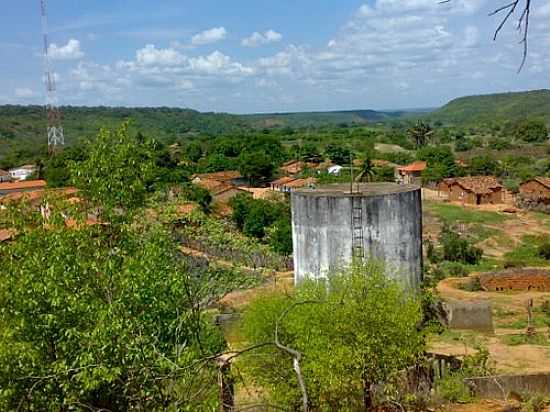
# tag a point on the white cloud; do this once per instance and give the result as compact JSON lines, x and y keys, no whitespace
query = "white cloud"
{"x":218,"y":63}
{"x":70,"y":51}
{"x":209,"y":36}
{"x":24,"y":93}
{"x":151,"y":56}
{"x":257,"y":39}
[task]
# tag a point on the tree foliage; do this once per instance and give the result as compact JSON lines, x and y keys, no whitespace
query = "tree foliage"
{"x":354,"y":330}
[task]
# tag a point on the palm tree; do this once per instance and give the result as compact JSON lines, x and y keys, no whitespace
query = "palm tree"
{"x":420,"y":133}
{"x":367,"y":171}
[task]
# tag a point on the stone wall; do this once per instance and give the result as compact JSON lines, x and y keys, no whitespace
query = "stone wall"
{"x":500,"y":387}
{"x":516,"y":280}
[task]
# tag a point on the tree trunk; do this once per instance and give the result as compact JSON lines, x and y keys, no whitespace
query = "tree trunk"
{"x":367,"y":395}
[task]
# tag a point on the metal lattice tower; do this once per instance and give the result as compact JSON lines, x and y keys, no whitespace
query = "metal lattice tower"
{"x":56,"y":137}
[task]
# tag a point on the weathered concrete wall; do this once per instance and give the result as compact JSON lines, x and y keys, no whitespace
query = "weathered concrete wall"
{"x":499,"y":387}
{"x":469,"y":315}
{"x":322,"y":230}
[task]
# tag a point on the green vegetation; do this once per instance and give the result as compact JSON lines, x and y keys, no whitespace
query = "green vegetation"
{"x":495,"y":108}
{"x":456,"y":214}
{"x":339,"y":359}
{"x":528,"y":253}
{"x":106,"y":316}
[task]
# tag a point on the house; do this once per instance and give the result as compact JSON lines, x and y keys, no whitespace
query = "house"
{"x":5,"y":176}
{"x":288,"y":184}
{"x":410,"y":174}
{"x":232,"y":177}
{"x":537,"y":188}
{"x":23,"y":172}
{"x":292,"y":167}
{"x":7,"y":188}
{"x":335,"y":170}
{"x":475,"y":190}
{"x":221,"y":192}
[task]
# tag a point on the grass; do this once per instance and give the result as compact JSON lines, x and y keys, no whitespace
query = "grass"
{"x":523,"y":339}
{"x":457,"y":214}
{"x":479,"y":232}
{"x":526,"y":253}
{"x":538,"y":322}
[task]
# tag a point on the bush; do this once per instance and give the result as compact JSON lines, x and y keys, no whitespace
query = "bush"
{"x":458,"y":249}
{"x":454,"y":269}
{"x":544,"y":251}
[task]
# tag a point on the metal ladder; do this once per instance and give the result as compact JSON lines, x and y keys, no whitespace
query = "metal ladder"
{"x":358,"y":251}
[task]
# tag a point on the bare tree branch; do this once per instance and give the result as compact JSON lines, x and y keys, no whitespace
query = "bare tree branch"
{"x":522,"y":26}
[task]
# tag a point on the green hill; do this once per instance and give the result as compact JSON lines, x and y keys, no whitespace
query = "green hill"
{"x":495,"y":108}
{"x":305,"y":119}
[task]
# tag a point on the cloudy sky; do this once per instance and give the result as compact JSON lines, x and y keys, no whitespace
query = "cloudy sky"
{"x":246,"y":56}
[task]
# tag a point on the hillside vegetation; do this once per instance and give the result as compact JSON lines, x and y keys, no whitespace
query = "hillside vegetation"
{"x":321,"y":118}
{"x":495,"y":108}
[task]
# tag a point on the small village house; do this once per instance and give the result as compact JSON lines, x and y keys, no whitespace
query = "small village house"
{"x":474,"y":190}
{"x":410,"y":174}
{"x":287,"y":184}
{"x":22,"y":172}
{"x":5,"y":176}
{"x":221,"y":192}
{"x":231,"y":177}
{"x":537,"y":188}
{"x":7,"y":188}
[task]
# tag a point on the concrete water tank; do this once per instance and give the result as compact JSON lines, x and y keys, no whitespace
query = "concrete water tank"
{"x":383,"y":221}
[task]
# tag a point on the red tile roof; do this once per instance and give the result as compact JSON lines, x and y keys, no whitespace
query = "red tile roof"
{"x":302,"y":182}
{"x":418,"y":166}
{"x":4,"y":173}
{"x":220,"y":176}
{"x":282,"y":181}
{"x":480,"y":185}
{"x":23,"y":184}
{"x":545,"y":181}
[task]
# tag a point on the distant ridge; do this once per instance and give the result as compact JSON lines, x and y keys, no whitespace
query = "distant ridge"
{"x":304,"y":119}
{"x":495,"y":108}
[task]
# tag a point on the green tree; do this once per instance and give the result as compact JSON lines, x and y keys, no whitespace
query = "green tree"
{"x":532,"y":131}
{"x":118,"y":171}
{"x":371,"y":336}
{"x":256,"y":166}
{"x":338,"y":154}
{"x":102,"y":318}
{"x":193,"y":151}
{"x":484,"y":166}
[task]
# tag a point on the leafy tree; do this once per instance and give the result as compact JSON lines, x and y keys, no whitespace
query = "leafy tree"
{"x":256,"y":166}
{"x":371,"y":336}
{"x":118,"y":171}
{"x":457,"y":248}
{"x":441,"y":163}
{"x":483,"y":165}
{"x":384,"y":174}
{"x":463,"y":145}
{"x":193,"y":151}
{"x":279,"y":236}
{"x":198,"y":194}
{"x":310,"y":153}
{"x":338,"y":154}
{"x":57,"y":172}
{"x":532,"y":131}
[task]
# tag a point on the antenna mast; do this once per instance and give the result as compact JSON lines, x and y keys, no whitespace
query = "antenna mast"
{"x":56,"y":138}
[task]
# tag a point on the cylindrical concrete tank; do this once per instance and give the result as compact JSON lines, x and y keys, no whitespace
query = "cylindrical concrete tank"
{"x":380,"y":221}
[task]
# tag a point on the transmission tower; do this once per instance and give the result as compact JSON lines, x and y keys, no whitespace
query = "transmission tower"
{"x":56,"y":138}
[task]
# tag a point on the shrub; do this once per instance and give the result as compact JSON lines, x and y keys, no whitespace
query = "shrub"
{"x":457,"y":248}
{"x":544,"y":251}
{"x":454,"y":269}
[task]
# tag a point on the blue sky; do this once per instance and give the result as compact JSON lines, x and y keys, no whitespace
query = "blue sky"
{"x":247,"y":56}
